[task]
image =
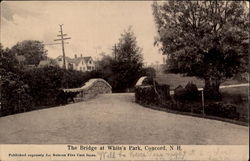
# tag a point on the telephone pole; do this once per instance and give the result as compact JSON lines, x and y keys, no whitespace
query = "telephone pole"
{"x":62,"y":38}
{"x":115,"y":52}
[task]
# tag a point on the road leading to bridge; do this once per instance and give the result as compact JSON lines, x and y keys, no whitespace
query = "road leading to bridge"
{"x":115,"y":119}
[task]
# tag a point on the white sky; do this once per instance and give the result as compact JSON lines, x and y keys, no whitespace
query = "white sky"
{"x":90,"y":24}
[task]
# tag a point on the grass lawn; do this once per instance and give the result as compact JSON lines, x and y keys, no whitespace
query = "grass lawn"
{"x":237,"y":96}
{"x":174,"y":80}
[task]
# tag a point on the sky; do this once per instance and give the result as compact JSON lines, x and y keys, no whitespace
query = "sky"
{"x":94,"y":26}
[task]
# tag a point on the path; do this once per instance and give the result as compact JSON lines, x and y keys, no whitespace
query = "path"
{"x":115,"y":119}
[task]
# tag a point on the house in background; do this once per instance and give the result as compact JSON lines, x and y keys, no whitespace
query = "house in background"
{"x":78,"y":63}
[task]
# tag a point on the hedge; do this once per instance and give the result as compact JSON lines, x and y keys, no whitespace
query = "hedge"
{"x":189,"y":93}
{"x":39,"y":88}
{"x":14,"y":95}
{"x":153,"y":95}
{"x":185,"y":100}
{"x":222,"y":110}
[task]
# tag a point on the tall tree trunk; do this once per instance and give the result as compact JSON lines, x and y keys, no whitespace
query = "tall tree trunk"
{"x":212,"y":89}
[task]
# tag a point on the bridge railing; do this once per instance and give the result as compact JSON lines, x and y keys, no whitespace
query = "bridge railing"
{"x":90,"y":89}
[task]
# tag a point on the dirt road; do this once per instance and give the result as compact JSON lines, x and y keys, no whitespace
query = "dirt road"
{"x":115,"y":119}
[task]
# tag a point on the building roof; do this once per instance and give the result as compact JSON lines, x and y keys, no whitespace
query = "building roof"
{"x":60,"y":56}
{"x":77,"y":60}
{"x":87,"y":58}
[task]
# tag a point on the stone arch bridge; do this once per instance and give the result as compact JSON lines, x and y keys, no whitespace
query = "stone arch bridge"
{"x":90,"y":89}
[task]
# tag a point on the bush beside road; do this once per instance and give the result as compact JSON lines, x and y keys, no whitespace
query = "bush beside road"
{"x":233,"y":104}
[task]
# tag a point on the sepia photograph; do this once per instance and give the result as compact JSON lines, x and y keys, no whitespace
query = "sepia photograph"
{"x":124,"y":73}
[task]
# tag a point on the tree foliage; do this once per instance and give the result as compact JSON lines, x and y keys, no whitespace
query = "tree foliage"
{"x":8,"y":61}
{"x":123,"y":70}
{"x":127,"y":49}
{"x":13,"y":91}
{"x":32,"y":50}
{"x":207,"y":39}
{"x":128,"y":63}
{"x":149,"y":71}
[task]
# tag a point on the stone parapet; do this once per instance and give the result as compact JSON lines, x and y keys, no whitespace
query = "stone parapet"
{"x":90,"y":89}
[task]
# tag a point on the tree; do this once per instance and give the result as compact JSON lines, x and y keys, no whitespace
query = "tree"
{"x":206,"y":39}
{"x":149,"y":71}
{"x":104,"y":63}
{"x":127,"y":66}
{"x":8,"y":62}
{"x":32,"y":50}
{"x":13,"y":91}
{"x":127,"y":49}
{"x":124,"y":68}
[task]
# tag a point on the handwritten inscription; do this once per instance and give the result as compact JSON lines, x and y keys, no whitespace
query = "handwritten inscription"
{"x":172,"y":152}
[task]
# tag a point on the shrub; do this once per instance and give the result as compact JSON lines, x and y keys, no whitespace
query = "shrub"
{"x":187,"y":100}
{"x":146,"y":95}
{"x":153,"y":95}
{"x":46,"y":83}
{"x":222,"y":110}
{"x":189,"y":93}
{"x":23,"y":89}
{"x":183,"y":107}
{"x":211,"y":94}
{"x":163,"y":91}
{"x":121,"y":75}
{"x":192,"y":92}
{"x":180,"y":93}
{"x":14,"y":95}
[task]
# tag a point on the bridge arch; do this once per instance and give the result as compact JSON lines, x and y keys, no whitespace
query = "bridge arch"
{"x":90,"y":89}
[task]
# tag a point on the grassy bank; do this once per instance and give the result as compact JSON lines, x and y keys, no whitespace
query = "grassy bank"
{"x":174,"y":80}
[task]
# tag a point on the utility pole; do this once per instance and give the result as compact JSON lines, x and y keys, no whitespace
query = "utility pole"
{"x":115,"y":52}
{"x":62,"y":38}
